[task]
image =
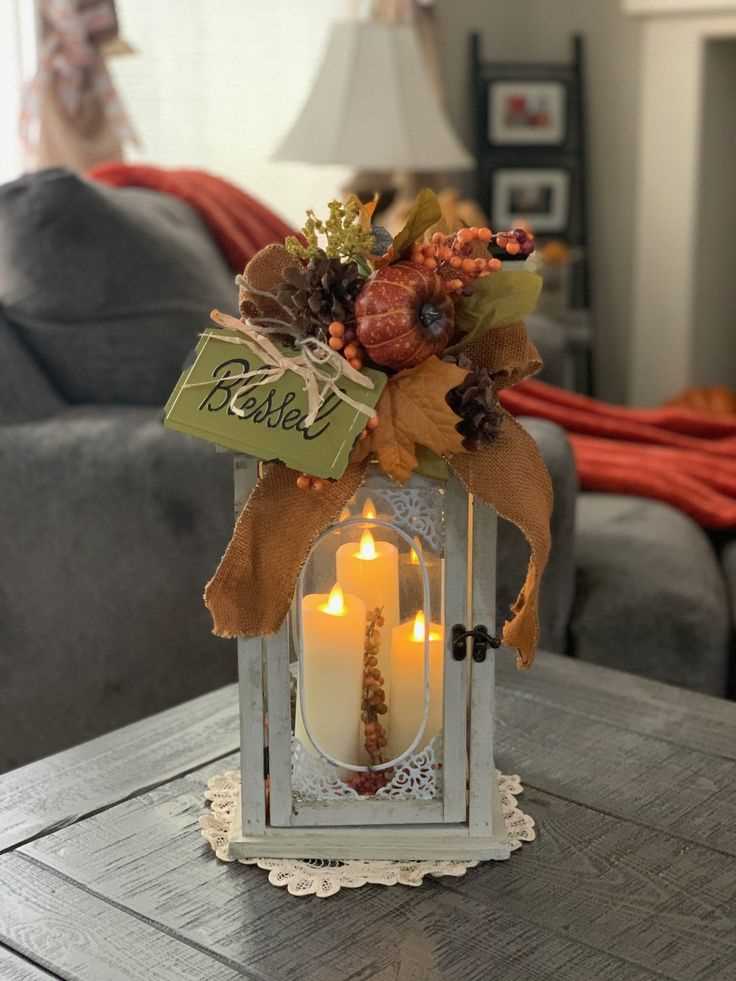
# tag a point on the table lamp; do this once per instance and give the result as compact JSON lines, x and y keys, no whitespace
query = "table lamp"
{"x":373,"y":106}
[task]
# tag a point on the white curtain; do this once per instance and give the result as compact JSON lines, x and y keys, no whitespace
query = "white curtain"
{"x":17,"y":64}
{"x":214,"y":83}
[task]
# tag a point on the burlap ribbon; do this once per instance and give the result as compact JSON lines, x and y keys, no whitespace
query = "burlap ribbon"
{"x":252,"y":589}
{"x":510,"y":476}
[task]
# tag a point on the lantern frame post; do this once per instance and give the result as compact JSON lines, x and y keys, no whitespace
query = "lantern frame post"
{"x":464,"y":821}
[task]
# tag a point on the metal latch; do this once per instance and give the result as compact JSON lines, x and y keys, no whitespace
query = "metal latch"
{"x":482,"y":640}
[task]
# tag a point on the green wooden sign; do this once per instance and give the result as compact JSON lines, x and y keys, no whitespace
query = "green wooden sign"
{"x":266,"y":421}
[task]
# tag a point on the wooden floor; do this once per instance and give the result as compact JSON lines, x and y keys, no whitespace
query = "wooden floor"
{"x":104,"y":877}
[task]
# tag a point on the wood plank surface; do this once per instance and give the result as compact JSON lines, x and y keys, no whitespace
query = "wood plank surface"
{"x":147,"y":855}
{"x":278,"y":684}
{"x":637,"y":893}
{"x":633,"y":876}
{"x":144,"y":855}
{"x":456,"y":673}
{"x":680,"y":716}
{"x":252,"y":738}
{"x":443,"y":937}
{"x":591,"y":886}
{"x":645,"y":779}
{"x":37,"y":798}
{"x":13,"y":967}
{"x":60,"y":926}
{"x":481,"y":737}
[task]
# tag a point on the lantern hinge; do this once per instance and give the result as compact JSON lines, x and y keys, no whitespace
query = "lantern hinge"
{"x":482,"y":640}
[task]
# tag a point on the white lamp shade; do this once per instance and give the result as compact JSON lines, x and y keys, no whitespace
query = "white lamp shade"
{"x":373,"y":106}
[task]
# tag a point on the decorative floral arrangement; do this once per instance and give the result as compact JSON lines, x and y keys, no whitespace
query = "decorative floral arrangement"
{"x":436,"y":324}
{"x":410,"y":306}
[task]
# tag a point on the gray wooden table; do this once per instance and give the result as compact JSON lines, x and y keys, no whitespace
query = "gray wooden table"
{"x":104,"y":877}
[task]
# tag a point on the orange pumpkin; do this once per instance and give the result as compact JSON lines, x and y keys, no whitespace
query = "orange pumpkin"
{"x":403,"y":315}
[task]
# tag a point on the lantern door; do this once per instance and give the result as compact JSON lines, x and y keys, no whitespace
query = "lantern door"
{"x":377,"y":714}
{"x":363,"y":699}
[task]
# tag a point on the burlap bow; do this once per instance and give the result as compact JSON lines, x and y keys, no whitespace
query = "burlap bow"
{"x":252,"y":589}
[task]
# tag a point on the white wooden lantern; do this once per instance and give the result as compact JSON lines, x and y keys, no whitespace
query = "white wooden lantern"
{"x":301,"y":689}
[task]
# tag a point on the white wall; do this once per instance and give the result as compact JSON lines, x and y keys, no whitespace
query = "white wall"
{"x":682,"y":330}
{"x":541,"y":30}
{"x":502,"y":25}
{"x":216,"y":82}
{"x":714,"y":340}
{"x":17,"y":64}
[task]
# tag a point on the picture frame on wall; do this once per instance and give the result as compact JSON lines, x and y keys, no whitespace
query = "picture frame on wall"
{"x":539,"y":196}
{"x":527,"y":112}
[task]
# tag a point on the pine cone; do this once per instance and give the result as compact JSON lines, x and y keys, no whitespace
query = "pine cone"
{"x":476,"y":403}
{"x":320,"y":291}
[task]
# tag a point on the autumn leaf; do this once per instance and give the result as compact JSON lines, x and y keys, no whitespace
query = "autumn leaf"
{"x":412,"y":412}
{"x":425,"y":212}
{"x":366,"y":211}
{"x":497,"y":300}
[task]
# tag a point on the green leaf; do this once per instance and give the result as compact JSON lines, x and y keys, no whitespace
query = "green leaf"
{"x":499,"y":299}
{"x":364,"y":267}
{"x":425,"y":212}
{"x":431,"y":465}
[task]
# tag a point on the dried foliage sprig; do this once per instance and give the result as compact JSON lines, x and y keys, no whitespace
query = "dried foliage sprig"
{"x":339,"y":236}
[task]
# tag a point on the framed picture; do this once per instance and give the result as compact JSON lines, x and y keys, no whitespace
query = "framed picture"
{"x":527,"y":113}
{"x":539,"y":196}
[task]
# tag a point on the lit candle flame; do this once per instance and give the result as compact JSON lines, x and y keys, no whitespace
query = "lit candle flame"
{"x":369,"y":509}
{"x":335,"y":604}
{"x":418,"y":631}
{"x":367,"y":546}
{"x":415,"y":552}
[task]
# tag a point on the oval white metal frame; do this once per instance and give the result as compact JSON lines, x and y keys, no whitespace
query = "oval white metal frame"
{"x":359,"y":767}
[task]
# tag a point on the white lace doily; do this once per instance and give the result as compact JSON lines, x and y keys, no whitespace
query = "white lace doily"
{"x":318,"y":877}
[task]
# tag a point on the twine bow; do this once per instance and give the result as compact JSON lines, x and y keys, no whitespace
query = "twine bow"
{"x":320,"y":368}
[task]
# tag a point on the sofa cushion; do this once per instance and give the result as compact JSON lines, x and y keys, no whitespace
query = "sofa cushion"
{"x":110,"y":526}
{"x":108,"y":287}
{"x":729,"y":567}
{"x":551,"y":342}
{"x":25,"y":393}
{"x":650,"y":595}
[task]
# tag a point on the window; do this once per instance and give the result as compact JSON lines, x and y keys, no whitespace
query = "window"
{"x":214,"y":85}
{"x":17,"y":64}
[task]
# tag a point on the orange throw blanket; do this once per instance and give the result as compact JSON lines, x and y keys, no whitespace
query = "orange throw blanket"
{"x":680,"y":456}
{"x":240,"y":225}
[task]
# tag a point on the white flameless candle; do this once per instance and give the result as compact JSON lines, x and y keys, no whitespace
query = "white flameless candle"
{"x":370,"y":571}
{"x":407,"y":672}
{"x":334,"y":631}
{"x":411,"y":593}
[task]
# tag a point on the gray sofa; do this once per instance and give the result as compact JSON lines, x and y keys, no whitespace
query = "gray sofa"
{"x":110,"y":524}
{"x":654,"y":594}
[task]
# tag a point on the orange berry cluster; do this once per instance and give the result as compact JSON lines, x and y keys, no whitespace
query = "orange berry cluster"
{"x":306,"y":481}
{"x":344,"y":339}
{"x":519,"y":241}
{"x":463,"y":256}
{"x":374,"y":695}
{"x":366,"y":784}
{"x":372,"y":708}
